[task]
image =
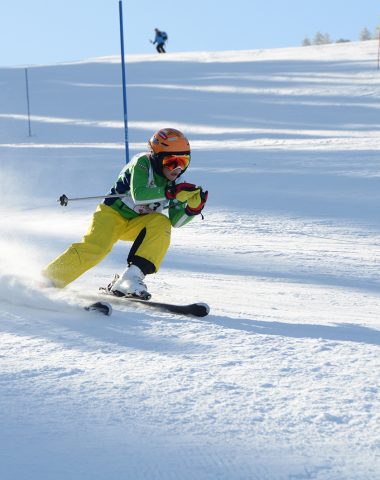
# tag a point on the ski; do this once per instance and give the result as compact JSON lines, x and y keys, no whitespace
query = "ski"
{"x":195,"y":309}
{"x":102,"y":307}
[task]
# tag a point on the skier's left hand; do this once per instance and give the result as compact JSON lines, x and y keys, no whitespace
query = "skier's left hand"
{"x":196,"y":203}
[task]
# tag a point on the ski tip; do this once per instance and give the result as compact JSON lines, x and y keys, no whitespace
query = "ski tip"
{"x":202,"y":309}
{"x":108,"y":307}
{"x":103,"y":307}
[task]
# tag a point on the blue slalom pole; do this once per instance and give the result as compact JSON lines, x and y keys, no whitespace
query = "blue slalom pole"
{"x":124,"y":83}
{"x":27,"y":100}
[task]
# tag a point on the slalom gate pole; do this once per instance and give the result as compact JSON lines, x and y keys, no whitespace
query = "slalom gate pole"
{"x":27,"y":100}
{"x":124,"y":83}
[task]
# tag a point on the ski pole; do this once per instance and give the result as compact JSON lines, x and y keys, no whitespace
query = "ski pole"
{"x":64,"y":200}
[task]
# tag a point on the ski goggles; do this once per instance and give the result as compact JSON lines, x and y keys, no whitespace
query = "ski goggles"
{"x":171,"y":162}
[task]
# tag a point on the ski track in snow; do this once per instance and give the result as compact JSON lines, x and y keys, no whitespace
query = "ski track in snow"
{"x":281,"y":380}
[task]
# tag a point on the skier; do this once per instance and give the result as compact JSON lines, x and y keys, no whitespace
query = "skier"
{"x":160,"y":39}
{"x":150,"y":182}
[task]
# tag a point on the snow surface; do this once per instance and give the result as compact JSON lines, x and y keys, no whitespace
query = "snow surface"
{"x":281,"y":380}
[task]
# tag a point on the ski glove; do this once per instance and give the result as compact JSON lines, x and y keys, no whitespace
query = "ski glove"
{"x":180,"y":191}
{"x":196,"y":203}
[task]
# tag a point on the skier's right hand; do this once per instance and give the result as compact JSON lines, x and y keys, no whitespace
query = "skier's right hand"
{"x":180,"y":191}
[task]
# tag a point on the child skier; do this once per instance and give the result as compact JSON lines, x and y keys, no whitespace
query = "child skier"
{"x":150,"y":183}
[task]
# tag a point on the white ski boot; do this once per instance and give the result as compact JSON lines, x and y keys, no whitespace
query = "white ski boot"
{"x":130,"y":284}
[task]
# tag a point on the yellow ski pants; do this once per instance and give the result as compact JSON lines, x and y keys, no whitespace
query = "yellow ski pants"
{"x":107,"y":227}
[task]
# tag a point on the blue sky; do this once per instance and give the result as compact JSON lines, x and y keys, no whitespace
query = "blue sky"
{"x":51,"y":31}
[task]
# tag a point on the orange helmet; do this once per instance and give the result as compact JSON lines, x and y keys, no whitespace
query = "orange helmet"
{"x":169,"y":140}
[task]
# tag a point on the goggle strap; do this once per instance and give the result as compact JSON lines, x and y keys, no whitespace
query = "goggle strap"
{"x":161,"y":155}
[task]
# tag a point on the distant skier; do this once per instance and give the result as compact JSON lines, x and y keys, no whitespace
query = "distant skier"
{"x":160,"y":38}
{"x":150,"y":183}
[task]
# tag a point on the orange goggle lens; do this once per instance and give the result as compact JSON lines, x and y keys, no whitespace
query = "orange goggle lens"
{"x":176,"y":161}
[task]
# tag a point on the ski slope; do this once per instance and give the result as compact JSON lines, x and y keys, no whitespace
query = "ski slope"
{"x":281,"y":380}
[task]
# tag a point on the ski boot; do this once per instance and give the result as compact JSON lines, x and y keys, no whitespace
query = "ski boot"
{"x":130,"y":284}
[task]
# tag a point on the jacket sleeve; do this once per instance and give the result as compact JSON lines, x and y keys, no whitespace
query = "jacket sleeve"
{"x":177,"y":215}
{"x":141,"y":192}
